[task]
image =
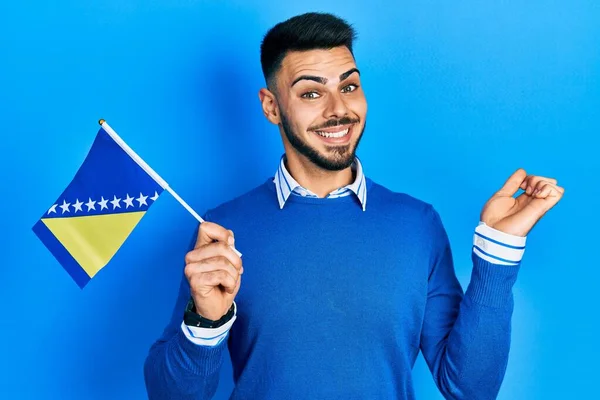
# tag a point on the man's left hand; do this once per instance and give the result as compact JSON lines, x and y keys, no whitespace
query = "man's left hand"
{"x":517,"y":216}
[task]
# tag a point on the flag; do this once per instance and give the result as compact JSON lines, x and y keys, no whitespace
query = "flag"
{"x":110,"y":193}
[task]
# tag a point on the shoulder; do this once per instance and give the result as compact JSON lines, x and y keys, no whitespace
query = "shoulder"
{"x":380,"y":195}
{"x":245,"y":204}
{"x":408,"y":213}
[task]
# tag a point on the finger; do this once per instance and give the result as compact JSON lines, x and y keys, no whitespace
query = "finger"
{"x":237,"y":286}
{"x":549,"y":190}
{"x":221,"y":278}
{"x":539,"y":185}
{"x":532,"y":180}
{"x":542,"y":187}
{"x":214,"y":279}
{"x":209,"y":232}
{"x":214,"y":249}
{"x":513,"y":183}
{"x":213,"y":264}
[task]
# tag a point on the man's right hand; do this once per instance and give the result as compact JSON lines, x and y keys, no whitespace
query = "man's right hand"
{"x":213,"y":271}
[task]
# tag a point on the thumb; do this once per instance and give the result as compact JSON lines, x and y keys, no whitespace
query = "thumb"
{"x":512,"y":184}
{"x":209,"y":232}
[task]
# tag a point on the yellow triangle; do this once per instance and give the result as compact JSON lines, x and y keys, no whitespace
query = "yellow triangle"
{"x":94,"y":239}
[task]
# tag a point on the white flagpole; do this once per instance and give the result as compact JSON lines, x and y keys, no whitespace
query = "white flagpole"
{"x":150,"y":171}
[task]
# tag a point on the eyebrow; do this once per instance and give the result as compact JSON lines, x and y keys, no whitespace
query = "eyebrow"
{"x":322,"y":80}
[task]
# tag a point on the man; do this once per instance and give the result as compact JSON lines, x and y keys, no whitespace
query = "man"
{"x":344,"y":281}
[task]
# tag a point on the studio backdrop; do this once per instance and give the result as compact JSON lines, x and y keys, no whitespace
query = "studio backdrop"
{"x":459,"y":96}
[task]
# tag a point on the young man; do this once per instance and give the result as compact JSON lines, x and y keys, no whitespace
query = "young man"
{"x":344,"y":281}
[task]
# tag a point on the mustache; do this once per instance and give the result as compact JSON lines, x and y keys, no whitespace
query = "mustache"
{"x":335,"y":122}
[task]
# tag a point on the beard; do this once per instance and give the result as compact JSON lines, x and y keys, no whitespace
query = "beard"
{"x":336,"y":158}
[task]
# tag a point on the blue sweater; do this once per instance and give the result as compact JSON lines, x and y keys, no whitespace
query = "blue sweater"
{"x":336,"y":303}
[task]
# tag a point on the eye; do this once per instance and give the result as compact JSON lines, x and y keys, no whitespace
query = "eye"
{"x":349,"y":88}
{"x":310,"y":95}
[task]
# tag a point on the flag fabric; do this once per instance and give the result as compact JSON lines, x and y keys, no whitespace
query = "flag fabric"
{"x":95,"y":214}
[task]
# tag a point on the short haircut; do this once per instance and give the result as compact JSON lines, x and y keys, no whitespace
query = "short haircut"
{"x":303,"y":32}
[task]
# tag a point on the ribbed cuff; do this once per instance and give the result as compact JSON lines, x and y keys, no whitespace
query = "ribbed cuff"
{"x":199,"y":360}
{"x":491,"y":284}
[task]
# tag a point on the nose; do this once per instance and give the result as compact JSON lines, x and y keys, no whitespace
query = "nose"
{"x":336,"y":107}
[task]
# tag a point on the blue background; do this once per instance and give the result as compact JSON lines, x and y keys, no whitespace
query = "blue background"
{"x":459,"y":94}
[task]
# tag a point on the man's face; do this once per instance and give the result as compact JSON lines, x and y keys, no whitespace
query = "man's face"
{"x":322,"y":105}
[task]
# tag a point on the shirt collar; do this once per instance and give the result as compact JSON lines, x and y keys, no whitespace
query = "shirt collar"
{"x":286,"y":185}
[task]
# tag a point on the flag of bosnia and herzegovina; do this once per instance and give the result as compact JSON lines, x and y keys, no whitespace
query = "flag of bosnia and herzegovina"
{"x":95,"y":214}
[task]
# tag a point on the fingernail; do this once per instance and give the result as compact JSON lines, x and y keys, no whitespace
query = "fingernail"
{"x":231,"y":240}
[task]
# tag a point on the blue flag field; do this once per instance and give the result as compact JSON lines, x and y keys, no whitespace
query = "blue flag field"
{"x":86,"y":225}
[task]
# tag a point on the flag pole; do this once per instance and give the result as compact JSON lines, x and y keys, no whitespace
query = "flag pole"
{"x":150,"y":171}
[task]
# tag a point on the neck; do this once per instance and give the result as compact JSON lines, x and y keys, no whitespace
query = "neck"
{"x":319,"y":181}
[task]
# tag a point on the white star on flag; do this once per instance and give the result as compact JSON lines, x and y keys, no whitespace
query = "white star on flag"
{"x":52,"y":209}
{"x":77,"y":205}
{"x":129,"y":201}
{"x":103,"y":204}
{"x":65,"y":206}
{"x":115,"y":202}
{"x":153,"y":198}
{"x":142,"y":199}
{"x":90,"y":204}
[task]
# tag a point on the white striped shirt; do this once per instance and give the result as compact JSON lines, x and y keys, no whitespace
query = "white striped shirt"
{"x":286,"y":185}
{"x":490,"y":244}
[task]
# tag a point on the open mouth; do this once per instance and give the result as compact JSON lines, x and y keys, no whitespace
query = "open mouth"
{"x":338,"y":134}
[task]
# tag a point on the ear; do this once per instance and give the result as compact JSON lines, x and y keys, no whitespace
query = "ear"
{"x":269,"y":105}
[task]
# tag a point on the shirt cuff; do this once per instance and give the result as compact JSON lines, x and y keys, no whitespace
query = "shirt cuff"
{"x":209,"y":336}
{"x":498,"y":247}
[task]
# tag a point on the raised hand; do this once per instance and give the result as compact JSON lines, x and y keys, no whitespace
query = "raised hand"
{"x":213,"y":271}
{"x":517,"y":216}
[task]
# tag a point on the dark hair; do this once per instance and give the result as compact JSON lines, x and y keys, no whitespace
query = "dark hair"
{"x":303,"y":32}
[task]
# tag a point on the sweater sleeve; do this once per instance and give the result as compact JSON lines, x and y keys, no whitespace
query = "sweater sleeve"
{"x":177,"y":367}
{"x":465,"y":338}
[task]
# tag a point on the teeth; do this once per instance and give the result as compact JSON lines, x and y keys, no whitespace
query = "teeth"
{"x":334,"y":134}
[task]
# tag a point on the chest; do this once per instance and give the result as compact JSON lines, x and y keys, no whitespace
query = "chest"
{"x":341,"y":278}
